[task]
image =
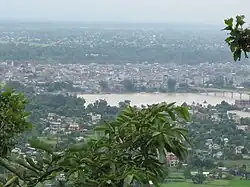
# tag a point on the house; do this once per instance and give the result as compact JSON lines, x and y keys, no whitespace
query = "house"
{"x":205,"y":173}
{"x":218,"y":155}
{"x":238,"y":149}
{"x":172,"y":160}
{"x":244,"y":128}
{"x":74,"y":128}
{"x":95,"y":118}
{"x":242,"y":103}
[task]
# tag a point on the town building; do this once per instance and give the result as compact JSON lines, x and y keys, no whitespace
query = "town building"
{"x":172,"y":160}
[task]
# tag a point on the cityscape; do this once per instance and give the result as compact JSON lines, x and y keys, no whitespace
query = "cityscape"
{"x":124,"y":104}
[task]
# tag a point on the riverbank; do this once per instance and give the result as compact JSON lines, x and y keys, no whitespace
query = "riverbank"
{"x":139,"y":99}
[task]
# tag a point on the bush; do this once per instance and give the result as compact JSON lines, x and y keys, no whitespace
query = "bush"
{"x":229,"y":177}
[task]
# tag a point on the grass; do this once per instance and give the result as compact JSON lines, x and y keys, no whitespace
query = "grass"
{"x":232,"y":163}
{"x":216,"y":183}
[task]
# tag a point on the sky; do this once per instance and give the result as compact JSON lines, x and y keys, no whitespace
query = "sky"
{"x":188,"y":11}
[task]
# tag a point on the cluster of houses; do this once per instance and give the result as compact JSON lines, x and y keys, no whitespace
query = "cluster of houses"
{"x":61,"y":124}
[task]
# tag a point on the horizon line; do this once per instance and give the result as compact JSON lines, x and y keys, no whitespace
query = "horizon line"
{"x":106,"y":22}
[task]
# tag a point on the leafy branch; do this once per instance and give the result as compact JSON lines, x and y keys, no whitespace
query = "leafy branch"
{"x":129,"y":150}
{"x":239,"y":37}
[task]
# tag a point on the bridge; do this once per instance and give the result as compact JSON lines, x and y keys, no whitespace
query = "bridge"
{"x":223,"y":91}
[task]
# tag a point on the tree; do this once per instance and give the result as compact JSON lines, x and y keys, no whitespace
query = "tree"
{"x":184,"y":104}
{"x":12,"y":117}
{"x":244,"y":151}
{"x":199,"y":178}
{"x":128,"y":85}
{"x":104,"y":85}
{"x":171,"y":84}
{"x":187,"y":173}
{"x":239,"y":37}
{"x":129,"y":149}
{"x":124,"y":104}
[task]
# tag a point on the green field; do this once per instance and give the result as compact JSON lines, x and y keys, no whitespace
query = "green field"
{"x":232,"y":163}
{"x":216,"y":183}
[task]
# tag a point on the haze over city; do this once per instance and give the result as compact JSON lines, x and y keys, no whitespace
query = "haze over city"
{"x":193,"y":11}
{"x":115,"y":93}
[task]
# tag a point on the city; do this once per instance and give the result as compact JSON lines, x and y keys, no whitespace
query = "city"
{"x":120,"y":103}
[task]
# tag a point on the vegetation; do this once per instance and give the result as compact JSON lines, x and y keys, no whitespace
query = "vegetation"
{"x":129,"y":149}
{"x":12,"y":118}
{"x":171,"y":84}
{"x":220,"y":183}
{"x":239,"y":37}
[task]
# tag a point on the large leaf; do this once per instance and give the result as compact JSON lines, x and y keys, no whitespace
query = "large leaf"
{"x":33,"y":164}
{"x":229,"y":22}
{"x":128,"y":180}
{"x":77,"y":147}
{"x":183,"y":113}
{"x":23,"y":163}
{"x":41,"y":145}
{"x":11,"y":168}
{"x":11,"y":181}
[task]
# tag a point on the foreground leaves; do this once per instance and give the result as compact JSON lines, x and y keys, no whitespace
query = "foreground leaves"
{"x":129,"y":150}
{"x":12,"y":118}
{"x":239,"y":37}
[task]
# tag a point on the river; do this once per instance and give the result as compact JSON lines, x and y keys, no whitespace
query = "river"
{"x":139,"y":99}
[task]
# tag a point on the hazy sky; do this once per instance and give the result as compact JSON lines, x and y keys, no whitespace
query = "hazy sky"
{"x":206,"y":11}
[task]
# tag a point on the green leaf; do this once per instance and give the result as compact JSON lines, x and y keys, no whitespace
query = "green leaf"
{"x":237,"y":55}
{"x":229,"y":22}
{"x":77,"y":147}
{"x":101,"y":128}
{"x":240,"y":20}
{"x":128,"y":180}
{"x":29,"y":126}
{"x":38,"y":144}
{"x":229,"y":39}
{"x":10,"y":167}
{"x":232,"y":48}
{"x":171,"y":104}
{"x":172,"y":115}
{"x":156,"y":134}
{"x":183,"y":113}
{"x":11,"y":181}
{"x":32,"y":163}
{"x":246,"y":56}
{"x":25,"y":164}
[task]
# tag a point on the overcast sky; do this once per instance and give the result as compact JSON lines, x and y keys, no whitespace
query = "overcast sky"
{"x":195,"y":11}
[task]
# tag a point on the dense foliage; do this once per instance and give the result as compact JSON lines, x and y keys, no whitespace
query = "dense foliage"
{"x":129,"y":149}
{"x":12,"y":118}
